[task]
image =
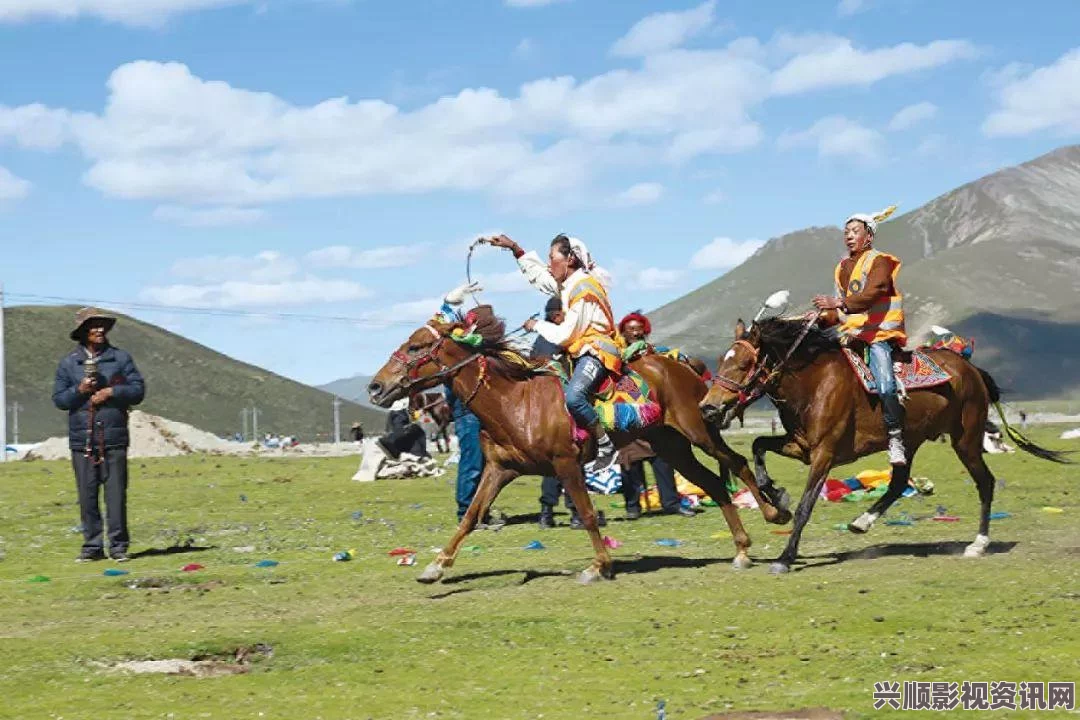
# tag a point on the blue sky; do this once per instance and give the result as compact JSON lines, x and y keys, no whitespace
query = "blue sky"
{"x":333,"y":158}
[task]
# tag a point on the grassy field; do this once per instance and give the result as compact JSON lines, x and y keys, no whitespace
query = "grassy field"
{"x":510,"y":634}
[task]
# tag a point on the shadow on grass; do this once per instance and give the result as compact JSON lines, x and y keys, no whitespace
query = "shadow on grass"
{"x":528,"y":576}
{"x":171,"y":550}
{"x":918,"y":549}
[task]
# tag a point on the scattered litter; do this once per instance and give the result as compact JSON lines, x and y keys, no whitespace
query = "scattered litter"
{"x":900,"y":521}
{"x":946,"y":518}
{"x":76,"y":529}
{"x":611,"y":542}
{"x":244,"y":549}
{"x":1000,"y":515}
{"x":744,"y":499}
{"x":783,"y":532}
{"x":840,"y":527}
{"x":535,"y":545}
{"x":709,"y":502}
{"x":407,"y":560}
{"x":243,"y":498}
{"x":416,"y":506}
{"x":344,"y":556}
{"x":358,"y":515}
{"x":722,"y":535}
{"x":192,"y":567}
{"x":114,"y":572}
{"x":669,"y":542}
{"x":468,"y":548}
{"x":39,"y":579}
{"x":266,"y":563}
{"x":401,"y":551}
{"x":617,"y":504}
{"x":1053,"y":510}
{"x":1071,"y":434}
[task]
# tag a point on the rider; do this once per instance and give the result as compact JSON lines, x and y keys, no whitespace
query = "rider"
{"x":868,"y":308}
{"x":587,"y":331}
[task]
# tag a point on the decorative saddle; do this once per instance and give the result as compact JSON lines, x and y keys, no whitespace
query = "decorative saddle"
{"x":914,"y":371}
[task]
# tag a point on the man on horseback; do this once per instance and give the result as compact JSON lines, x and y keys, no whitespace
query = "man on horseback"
{"x":868,"y":309}
{"x":587,"y":331}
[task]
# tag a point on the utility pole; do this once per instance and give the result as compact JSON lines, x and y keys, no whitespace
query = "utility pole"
{"x":244,"y":425}
{"x":15,"y":407}
{"x":3,"y":384}
{"x":255,"y":423}
{"x":337,"y":420}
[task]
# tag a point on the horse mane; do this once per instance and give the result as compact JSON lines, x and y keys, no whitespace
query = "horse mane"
{"x":777,"y":335}
{"x":504,"y":359}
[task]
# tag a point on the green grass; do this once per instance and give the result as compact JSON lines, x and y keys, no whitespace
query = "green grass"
{"x":511,"y":636}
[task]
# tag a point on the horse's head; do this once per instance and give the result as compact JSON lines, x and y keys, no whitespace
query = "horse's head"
{"x":421,"y":362}
{"x":737,"y":381}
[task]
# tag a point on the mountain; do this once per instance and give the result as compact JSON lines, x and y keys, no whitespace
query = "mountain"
{"x":997,"y":259}
{"x":185,"y":381}
{"x":351,"y":388}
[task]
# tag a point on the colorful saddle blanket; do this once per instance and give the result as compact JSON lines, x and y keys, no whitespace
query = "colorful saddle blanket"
{"x":917,"y":372}
{"x":627,"y":403}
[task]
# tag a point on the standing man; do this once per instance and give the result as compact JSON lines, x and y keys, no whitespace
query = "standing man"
{"x":97,"y":383}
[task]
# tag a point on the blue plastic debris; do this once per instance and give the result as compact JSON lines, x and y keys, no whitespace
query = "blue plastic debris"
{"x":669,"y":542}
{"x":266,"y":563}
{"x":535,"y":545}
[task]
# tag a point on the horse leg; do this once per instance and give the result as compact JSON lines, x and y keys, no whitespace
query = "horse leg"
{"x":898,"y":483}
{"x":781,"y":446}
{"x":968,"y":447}
{"x":569,"y":472}
{"x":493,"y":480}
{"x":772,"y":500}
{"x":820,"y":462}
{"x":676,"y":449}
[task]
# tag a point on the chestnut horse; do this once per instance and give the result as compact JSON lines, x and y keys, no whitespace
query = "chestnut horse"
{"x":830,"y":419}
{"x":526,"y":429}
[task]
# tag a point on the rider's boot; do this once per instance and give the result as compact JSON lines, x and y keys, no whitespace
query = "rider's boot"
{"x":894,"y":425}
{"x":605,"y":450}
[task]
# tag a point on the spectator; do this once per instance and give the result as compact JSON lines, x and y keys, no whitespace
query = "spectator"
{"x":97,"y":383}
{"x":402,"y":434}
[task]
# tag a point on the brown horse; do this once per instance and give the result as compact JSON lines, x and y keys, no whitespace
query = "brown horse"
{"x":438,"y":410}
{"x":526,"y":428}
{"x":830,"y":419}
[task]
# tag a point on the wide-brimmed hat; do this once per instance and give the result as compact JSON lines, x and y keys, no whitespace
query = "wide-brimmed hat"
{"x":85,"y":315}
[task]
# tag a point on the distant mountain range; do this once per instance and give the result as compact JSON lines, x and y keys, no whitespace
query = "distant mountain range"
{"x":997,"y":259}
{"x":185,"y":381}
{"x":352,"y":388}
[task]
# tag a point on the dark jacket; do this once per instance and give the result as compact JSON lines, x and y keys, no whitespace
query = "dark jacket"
{"x":544,"y":349}
{"x":397,"y":421}
{"x":117,"y":370}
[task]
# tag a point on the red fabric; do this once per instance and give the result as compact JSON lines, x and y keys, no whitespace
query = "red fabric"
{"x":640,"y":318}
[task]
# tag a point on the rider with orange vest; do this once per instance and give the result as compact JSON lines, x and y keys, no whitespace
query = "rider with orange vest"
{"x":587,"y":331}
{"x":868,"y":309}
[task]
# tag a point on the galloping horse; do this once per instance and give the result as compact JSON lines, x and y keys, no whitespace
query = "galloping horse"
{"x":830,"y":420}
{"x":438,"y":411}
{"x":526,"y":428}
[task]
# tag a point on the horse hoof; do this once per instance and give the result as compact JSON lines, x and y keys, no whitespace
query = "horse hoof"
{"x":971,"y":551}
{"x":782,"y":517}
{"x":432,"y":574}
{"x":590,"y":576}
{"x":741,"y":562}
{"x":779,"y":568}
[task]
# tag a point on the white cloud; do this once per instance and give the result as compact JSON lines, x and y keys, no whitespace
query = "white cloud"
{"x":266,"y":266}
{"x":837,"y":136}
{"x":912,"y":115}
{"x":524,"y":48}
{"x":412,"y":311}
{"x":723,"y":253}
{"x":128,"y":12}
{"x":390,"y":256}
{"x":1047,"y":98}
{"x":930,"y":146}
{"x":654,"y":278}
{"x":663,"y":31}
{"x":505,"y":282}
{"x":208,"y":217}
{"x":544,"y":148}
{"x":850,"y":7}
{"x":839,"y":64}
{"x":640,"y":194}
{"x":714,"y":197}
{"x":12,"y":187}
{"x":242,"y":293}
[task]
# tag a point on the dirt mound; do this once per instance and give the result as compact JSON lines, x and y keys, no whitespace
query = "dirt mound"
{"x":151,"y":436}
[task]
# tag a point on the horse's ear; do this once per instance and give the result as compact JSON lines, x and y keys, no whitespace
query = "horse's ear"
{"x":753,"y":335}
{"x":740,"y":329}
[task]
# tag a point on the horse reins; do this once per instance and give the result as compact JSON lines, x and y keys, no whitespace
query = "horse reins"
{"x":752,"y":387}
{"x":412,"y":366}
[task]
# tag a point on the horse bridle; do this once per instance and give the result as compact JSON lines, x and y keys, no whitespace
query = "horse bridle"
{"x":754,"y":385}
{"x":412,"y":366}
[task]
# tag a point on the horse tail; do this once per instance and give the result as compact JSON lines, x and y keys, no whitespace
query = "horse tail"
{"x":1015,"y":435}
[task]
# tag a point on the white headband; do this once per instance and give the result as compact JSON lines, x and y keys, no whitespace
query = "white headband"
{"x":872,"y":219}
